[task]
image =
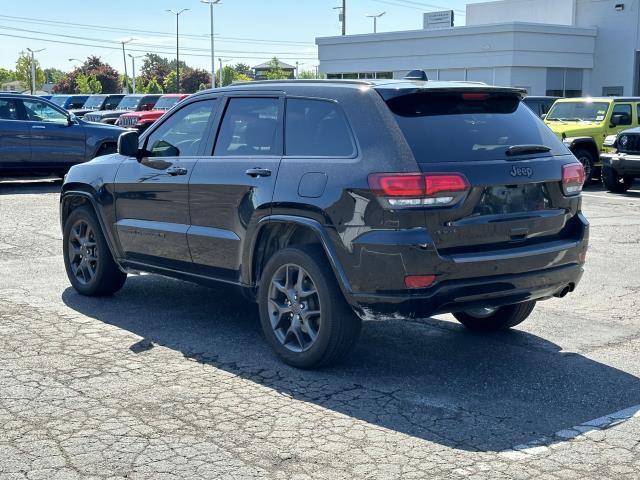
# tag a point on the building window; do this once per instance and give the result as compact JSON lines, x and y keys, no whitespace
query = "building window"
{"x":361,"y":76}
{"x":564,"y":82}
{"x":612,"y":91}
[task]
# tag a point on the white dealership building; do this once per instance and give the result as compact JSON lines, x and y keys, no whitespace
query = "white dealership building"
{"x":549,"y":47}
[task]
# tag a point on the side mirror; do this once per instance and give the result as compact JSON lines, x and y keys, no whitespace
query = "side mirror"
{"x":128,"y":144}
{"x":543,"y":116}
{"x":616,"y":120}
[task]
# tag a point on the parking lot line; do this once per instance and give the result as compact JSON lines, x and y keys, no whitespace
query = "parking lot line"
{"x":609,"y":197}
{"x":543,"y":444}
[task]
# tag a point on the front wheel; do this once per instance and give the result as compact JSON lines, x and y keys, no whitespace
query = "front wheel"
{"x":614,"y":182}
{"x":585,"y":157}
{"x":90,"y":267}
{"x":492,"y":319}
{"x":303,"y":313}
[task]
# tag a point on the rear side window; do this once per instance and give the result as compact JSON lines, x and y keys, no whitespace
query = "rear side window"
{"x":249,"y":128}
{"x":623,"y":110}
{"x":460,"y":127}
{"x":316,"y":128}
{"x":8,"y":109}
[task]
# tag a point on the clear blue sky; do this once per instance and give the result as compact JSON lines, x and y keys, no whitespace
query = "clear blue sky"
{"x":250,"y":31}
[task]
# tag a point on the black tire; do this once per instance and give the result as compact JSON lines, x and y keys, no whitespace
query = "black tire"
{"x":107,"y":149}
{"x":502,"y":318}
{"x":90,"y":266}
{"x":585,"y":157}
{"x":614,"y":182}
{"x":335,"y":326}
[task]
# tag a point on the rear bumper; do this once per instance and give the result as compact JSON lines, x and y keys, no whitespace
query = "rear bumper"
{"x":623,"y":164}
{"x":455,"y":296}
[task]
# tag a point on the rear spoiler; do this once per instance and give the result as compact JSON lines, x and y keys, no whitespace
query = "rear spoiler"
{"x":389,"y":91}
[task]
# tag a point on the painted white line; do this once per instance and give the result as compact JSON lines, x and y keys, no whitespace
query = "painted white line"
{"x":617,"y":199}
{"x":542,"y":445}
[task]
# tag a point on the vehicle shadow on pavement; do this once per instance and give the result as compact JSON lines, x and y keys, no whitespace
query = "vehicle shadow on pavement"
{"x":429,"y":379}
{"x":29,"y":186}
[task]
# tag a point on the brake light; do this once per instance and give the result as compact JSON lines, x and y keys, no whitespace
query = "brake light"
{"x":573,"y":178}
{"x":419,"y":281}
{"x":418,"y":189}
{"x":475,"y":96}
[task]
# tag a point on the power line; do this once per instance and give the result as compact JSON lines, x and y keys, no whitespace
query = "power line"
{"x":417,"y":5}
{"x":54,"y":23}
{"x":102,"y":40}
{"x":63,"y":42}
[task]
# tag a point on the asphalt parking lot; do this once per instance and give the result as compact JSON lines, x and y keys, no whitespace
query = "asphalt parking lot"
{"x":169,"y":380}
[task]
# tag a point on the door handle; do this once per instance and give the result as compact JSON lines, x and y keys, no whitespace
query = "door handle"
{"x":38,"y":127}
{"x":176,"y":171}
{"x":258,"y":172}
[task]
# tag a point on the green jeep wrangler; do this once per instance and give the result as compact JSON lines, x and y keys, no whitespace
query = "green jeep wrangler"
{"x":584,"y":123}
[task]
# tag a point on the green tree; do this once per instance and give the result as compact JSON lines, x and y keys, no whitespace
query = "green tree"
{"x":169,"y":83}
{"x":88,"y":84}
{"x":241,"y":77}
{"x":243,"y":69}
{"x":7,"y":75}
{"x":54,"y":75}
{"x":228,"y":75}
{"x":23,"y":71}
{"x":155,"y":66}
{"x":153,"y":86}
{"x":275,"y":72}
{"x":307,"y":74}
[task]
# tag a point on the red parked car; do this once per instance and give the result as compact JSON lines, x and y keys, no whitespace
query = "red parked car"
{"x":140,"y":121}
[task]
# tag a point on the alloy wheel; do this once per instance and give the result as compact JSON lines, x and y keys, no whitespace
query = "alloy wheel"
{"x":83,"y":252}
{"x":294,"y":308}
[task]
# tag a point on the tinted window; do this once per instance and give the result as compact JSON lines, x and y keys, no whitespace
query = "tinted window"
{"x":76,"y":103}
{"x":42,"y":112}
{"x":182,"y":133}
{"x":249,"y":127}
{"x":94,"y":101}
{"x":8,"y":109}
{"x":624,"y":111}
{"x":112,"y":103}
{"x":457,"y":127}
{"x":129,"y":103}
{"x":316,"y":128}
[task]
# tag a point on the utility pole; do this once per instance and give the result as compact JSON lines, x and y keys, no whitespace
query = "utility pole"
{"x":375,"y":17}
{"x":124,"y":58}
{"x":33,"y":69}
{"x":213,"y":56}
{"x":177,"y":14}
{"x":344,"y":17}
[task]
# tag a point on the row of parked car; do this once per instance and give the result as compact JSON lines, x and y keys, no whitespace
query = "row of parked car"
{"x":602,"y":133}
{"x":137,"y":111}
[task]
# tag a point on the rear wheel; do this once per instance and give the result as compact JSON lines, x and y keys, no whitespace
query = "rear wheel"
{"x":90,"y":267}
{"x":614,"y":182}
{"x":586,"y":159}
{"x":492,"y":319}
{"x":303,"y":313}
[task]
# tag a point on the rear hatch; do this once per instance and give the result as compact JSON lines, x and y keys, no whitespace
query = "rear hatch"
{"x":512,"y":164}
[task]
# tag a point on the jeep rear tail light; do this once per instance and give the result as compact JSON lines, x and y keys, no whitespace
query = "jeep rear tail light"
{"x":419,"y":189}
{"x":419,"y":281}
{"x":573,"y":178}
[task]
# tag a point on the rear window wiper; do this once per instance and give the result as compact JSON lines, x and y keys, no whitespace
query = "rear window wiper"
{"x":514,"y":150}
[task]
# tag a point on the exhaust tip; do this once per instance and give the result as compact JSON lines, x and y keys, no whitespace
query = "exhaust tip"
{"x":563,"y":292}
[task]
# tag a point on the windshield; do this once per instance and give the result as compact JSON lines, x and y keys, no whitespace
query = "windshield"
{"x":94,"y":101}
{"x":165,"y":103}
{"x":579,"y":111}
{"x":59,"y":100}
{"x":460,"y":127}
{"x":129,"y":103}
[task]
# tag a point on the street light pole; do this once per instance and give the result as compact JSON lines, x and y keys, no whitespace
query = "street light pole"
{"x":177,"y":14}
{"x":133,"y":68}
{"x":375,"y":20}
{"x":33,"y":68}
{"x":213,"y":56}
{"x":344,"y":17}
{"x":124,"y":58}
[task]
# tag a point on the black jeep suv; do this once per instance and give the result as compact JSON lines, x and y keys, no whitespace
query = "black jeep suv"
{"x":620,"y":169}
{"x":329,"y":202}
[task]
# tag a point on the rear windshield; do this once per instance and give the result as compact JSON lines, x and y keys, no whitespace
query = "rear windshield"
{"x":129,"y":103}
{"x":459,"y":127}
{"x":165,"y":103}
{"x":94,"y":101}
